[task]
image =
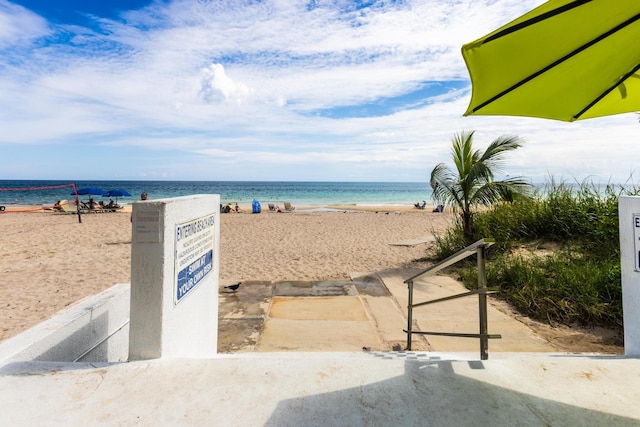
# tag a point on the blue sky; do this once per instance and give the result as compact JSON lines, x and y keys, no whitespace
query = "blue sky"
{"x":265,"y":90}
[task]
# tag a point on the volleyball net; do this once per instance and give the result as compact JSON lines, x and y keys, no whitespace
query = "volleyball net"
{"x":63,"y":204}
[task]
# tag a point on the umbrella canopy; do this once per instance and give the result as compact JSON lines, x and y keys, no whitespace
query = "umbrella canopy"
{"x":565,"y":60}
{"x":89,"y":191}
{"x":117,"y":193}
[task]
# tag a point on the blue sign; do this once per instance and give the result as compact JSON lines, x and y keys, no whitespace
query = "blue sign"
{"x":194,"y":273}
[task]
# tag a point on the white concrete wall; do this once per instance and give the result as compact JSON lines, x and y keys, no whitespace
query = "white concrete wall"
{"x":629,"y":209}
{"x":94,"y":330}
{"x":163,"y":234}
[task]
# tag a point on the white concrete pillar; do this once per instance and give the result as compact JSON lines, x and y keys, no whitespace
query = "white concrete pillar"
{"x":174,"y":277}
{"x":629,"y":216}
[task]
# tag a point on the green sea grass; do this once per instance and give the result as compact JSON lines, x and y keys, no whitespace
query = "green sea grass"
{"x":557,"y":256}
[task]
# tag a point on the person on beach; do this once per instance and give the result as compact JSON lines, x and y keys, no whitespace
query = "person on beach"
{"x":93,"y":205}
{"x":112,"y":205}
{"x":143,"y":196}
{"x":237,"y":208}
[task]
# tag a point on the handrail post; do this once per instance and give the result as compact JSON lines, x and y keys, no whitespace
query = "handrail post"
{"x":479,"y":248}
{"x":409,"y":314}
{"x":482,"y":304}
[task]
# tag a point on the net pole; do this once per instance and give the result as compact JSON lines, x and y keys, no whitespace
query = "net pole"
{"x":75,"y":191}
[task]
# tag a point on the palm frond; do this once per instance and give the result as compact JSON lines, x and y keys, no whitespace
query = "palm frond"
{"x":445,"y":185}
{"x":493,"y":156}
{"x":462,"y":152}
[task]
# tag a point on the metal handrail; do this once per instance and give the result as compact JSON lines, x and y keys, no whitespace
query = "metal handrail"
{"x":478,"y":248}
{"x":458,"y":256}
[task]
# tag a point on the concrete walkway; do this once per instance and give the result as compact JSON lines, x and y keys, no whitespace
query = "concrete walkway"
{"x":310,"y":316}
{"x":369,"y":312}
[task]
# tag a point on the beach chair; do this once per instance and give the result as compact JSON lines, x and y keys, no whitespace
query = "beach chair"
{"x":288,"y":207}
{"x":272,"y":207}
{"x":111,"y":207}
{"x":96,"y":207}
{"x":68,"y":207}
{"x":90,"y":207}
{"x":84,"y":207}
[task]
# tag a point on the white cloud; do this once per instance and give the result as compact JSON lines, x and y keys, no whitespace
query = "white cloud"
{"x":216,"y":85}
{"x":19,"y":26}
{"x":250,"y":81}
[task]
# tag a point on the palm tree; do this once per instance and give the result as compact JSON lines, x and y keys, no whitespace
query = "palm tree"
{"x":472,"y":184}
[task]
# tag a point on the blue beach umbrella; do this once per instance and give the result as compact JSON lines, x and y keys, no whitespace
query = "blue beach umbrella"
{"x":117,"y":193}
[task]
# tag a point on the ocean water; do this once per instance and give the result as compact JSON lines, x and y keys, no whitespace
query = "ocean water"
{"x":34,"y":192}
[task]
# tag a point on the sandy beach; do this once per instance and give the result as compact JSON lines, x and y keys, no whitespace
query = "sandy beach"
{"x":50,"y":261}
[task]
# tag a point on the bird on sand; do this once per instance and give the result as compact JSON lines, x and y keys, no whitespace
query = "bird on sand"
{"x":233,"y":287}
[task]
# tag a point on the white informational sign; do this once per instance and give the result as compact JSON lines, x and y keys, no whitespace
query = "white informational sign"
{"x":636,"y":240}
{"x":194,"y":254}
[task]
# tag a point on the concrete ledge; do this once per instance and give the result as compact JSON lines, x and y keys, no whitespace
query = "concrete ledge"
{"x":94,"y":330}
{"x":330,"y":389}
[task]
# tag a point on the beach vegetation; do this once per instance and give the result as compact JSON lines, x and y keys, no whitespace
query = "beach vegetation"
{"x":557,"y":254}
{"x":473,"y":183}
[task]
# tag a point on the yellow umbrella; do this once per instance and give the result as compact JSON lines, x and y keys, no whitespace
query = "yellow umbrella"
{"x":565,"y":60}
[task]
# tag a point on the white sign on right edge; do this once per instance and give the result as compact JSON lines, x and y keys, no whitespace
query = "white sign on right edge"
{"x":636,"y":240}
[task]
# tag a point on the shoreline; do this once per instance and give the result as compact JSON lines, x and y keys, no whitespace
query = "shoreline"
{"x":127,"y":208}
{"x":315,"y":193}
